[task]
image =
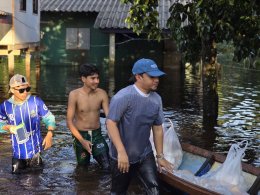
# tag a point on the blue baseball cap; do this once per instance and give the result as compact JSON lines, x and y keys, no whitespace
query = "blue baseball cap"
{"x":147,"y":66}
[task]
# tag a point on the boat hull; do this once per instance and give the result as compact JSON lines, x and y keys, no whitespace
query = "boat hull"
{"x":199,"y":161}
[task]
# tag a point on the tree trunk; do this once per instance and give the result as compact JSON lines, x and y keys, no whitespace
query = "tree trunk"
{"x":209,"y":79}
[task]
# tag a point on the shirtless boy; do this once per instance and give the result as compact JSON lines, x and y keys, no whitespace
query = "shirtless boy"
{"x":83,"y":114}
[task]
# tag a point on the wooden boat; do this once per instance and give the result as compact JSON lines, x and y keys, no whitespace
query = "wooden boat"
{"x":200,"y":161}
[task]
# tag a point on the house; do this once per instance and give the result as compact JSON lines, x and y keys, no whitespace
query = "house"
{"x":19,"y":28}
{"x":75,"y":30}
{"x":68,"y":35}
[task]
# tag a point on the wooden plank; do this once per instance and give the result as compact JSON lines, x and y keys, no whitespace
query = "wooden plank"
{"x":30,"y":46}
{"x":4,"y":52}
{"x":11,"y":64}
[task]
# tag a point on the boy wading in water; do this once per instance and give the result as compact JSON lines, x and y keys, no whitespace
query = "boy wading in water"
{"x":21,"y":115}
{"x":83,"y":114}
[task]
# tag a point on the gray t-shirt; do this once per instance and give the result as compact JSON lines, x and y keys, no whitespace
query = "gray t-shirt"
{"x":135,"y":115}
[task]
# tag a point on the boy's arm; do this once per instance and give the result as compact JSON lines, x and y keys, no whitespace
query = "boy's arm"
{"x":4,"y":127}
{"x":105,"y":103}
{"x":49,"y":122}
{"x":3,"y":122}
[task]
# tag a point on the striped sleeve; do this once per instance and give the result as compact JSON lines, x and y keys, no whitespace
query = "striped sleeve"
{"x":47,"y":117}
{"x":3,"y":118}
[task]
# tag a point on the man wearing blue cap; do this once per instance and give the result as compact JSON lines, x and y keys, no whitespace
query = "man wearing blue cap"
{"x":133,"y":111}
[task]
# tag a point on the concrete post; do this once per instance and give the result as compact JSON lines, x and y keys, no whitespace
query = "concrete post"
{"x":28,"y":64}
{"x":112,"y":46}
{"x":11,"y":63}
{"x":111,"y":70}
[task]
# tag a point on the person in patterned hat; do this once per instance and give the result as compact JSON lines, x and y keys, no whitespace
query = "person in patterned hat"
{"x":20,"y":115}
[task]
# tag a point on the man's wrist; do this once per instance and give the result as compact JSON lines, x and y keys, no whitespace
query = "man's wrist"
{"x":159,"y":156}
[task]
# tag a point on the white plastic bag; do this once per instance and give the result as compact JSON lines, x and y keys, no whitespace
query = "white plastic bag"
{"x":171,"y":145}
{"x":226,"y":179}
{"x":230,"y":171}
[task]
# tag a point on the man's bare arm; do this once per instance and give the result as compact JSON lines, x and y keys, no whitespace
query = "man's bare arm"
{"x":123,"y":162}
{"x":158,"y":142}
{"x":158,"y":138}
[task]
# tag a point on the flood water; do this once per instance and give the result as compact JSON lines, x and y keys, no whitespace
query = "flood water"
{"x":238,"y":119}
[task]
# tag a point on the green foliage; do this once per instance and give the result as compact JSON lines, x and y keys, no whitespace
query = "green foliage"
{"x":202,"y":23}
{"x":143,"y":18}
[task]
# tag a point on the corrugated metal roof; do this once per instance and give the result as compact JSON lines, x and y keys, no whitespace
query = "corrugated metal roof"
{"x":115,"y":13}
{"x":72,"y":5}
{"x":112,"y":13}
{"x":113,"y":16}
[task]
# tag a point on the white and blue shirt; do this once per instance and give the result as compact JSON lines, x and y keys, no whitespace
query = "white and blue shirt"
{"x":30,"y":113}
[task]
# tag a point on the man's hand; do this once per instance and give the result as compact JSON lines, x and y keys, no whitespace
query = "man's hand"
{"x":47,"y":142}
{"x":162,"y":162}
{"x":123,"y":162}
{"x":87,"y":145}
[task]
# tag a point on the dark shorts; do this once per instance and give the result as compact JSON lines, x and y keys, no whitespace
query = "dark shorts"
{"x":145,"y":170}
{"x":99,"y":149}
{"x":22,"y":165}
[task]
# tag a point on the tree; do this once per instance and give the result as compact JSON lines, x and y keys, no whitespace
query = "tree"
{"x":198,"y":25}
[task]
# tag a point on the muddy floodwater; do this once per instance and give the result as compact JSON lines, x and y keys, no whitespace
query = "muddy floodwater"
{"x":238,"y":118}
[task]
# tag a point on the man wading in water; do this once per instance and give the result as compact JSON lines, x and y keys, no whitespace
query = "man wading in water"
{"x":83,"y":114}
{"x":133,"y":111}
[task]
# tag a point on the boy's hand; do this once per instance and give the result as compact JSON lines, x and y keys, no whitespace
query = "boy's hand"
{"x":47,"y":142}
{"x":87,"y":145}
{"x":11,"y":128}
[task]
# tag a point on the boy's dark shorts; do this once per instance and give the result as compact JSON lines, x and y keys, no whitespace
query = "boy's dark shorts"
{"x":99,"y":147}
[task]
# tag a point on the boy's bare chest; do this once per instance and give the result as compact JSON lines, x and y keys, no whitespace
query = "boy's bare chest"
{"x":87,"y":104}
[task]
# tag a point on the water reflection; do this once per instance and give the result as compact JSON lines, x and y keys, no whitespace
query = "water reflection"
{"x":239,"y":112}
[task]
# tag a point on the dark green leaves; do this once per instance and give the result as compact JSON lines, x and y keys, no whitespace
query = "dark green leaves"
{"x":202,"y":22}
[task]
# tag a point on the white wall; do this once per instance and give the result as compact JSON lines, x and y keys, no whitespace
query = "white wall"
{"x":26,"y":24}
{"x":6,"y":6}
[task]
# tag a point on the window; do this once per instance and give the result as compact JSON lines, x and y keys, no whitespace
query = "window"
{"x":77,"y":38}
{"x":23,"y":5}
{"x":35,"y":6}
